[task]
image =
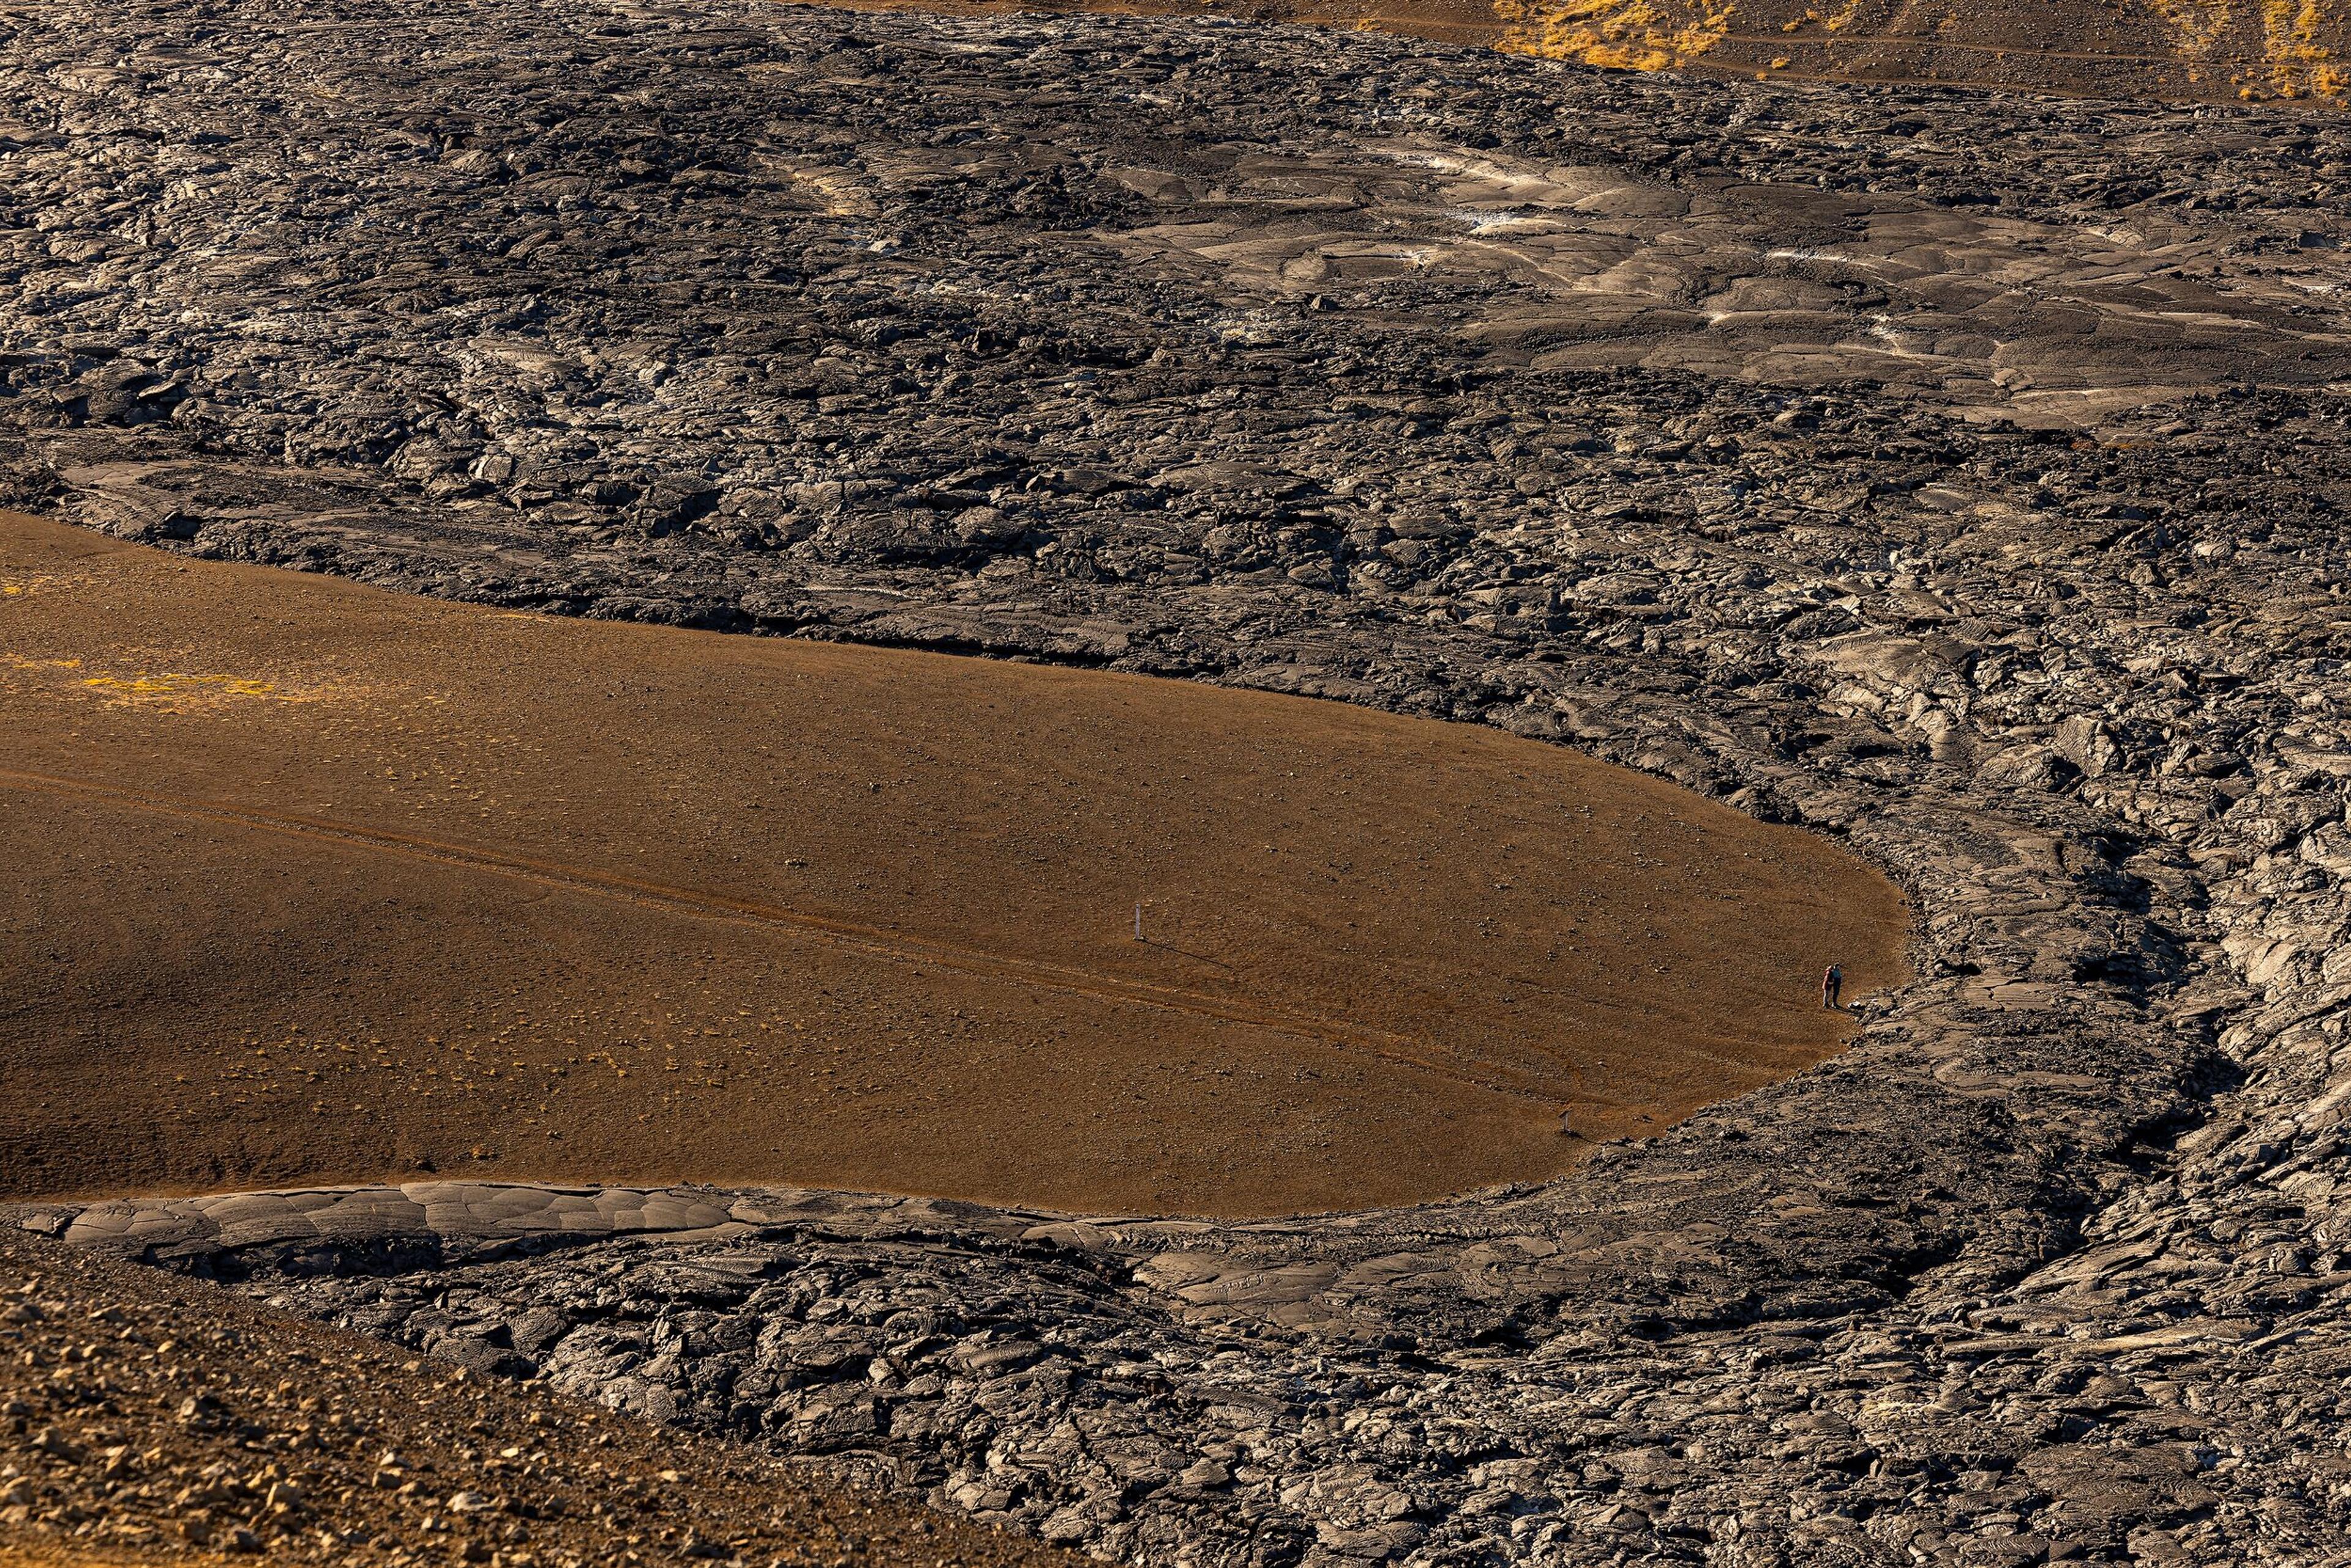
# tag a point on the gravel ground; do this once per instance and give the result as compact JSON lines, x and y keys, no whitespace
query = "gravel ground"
{"x":145,"y":1417}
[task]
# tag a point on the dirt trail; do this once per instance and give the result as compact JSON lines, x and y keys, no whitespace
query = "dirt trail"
{"x":316,"y":883}
{"x":870,"y":940}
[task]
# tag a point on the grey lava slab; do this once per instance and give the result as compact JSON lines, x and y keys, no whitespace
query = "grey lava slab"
{"x":1961,"y":477}
{"x":162,"y":1229}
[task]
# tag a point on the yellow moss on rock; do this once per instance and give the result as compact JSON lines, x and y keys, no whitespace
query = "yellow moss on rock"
{"x":2195,"y":25}
{"x":2300,"y":63}
{"x":1619,"y":35}
{"x":2295,"y":57}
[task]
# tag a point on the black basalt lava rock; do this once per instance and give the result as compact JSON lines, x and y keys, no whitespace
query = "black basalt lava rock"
{"x":1947,"y":474}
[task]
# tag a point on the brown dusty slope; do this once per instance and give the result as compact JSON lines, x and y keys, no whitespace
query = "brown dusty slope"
{"x":2207,"y":49}
{"x":315,"y":883}
{"x":2147,"y":48}
{"x":145,"y":1418}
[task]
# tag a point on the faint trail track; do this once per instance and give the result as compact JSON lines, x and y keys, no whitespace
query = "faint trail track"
{"x":848,"y":935}
{"x":1923,"y":41}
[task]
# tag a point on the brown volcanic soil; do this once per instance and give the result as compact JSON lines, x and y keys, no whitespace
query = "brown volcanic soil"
{"x":313,"y":882}
{"x":145,"y":1418}
{"x":2107,"y":48}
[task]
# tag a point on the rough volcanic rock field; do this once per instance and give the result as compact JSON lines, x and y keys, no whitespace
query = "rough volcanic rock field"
{"x":1959,"y":477}
{"x":2215,"y":50}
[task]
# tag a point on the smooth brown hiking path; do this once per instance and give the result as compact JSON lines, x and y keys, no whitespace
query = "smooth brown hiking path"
{"x":315,"y":883}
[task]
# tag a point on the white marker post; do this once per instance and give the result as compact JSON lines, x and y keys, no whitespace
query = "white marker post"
{"x":1138,"y":922}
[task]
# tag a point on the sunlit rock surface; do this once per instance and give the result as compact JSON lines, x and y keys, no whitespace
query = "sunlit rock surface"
{"x":1961,"y":477}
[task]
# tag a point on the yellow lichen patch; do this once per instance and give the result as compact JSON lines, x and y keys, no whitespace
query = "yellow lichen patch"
{"x":170,"y":691}
{"x":1619,"y":35}
{"x":172,"y":687}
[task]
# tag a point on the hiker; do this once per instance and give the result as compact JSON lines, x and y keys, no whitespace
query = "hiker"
{"x":1831,"y":982}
